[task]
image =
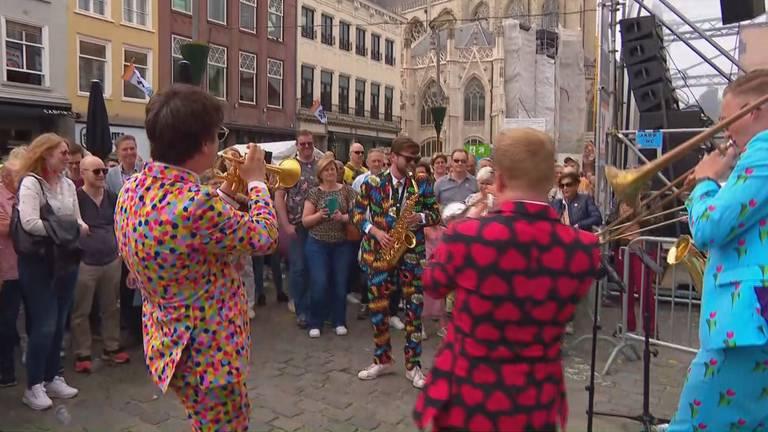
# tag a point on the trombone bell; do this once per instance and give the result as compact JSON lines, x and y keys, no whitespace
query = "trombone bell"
{"x":683,"y":251}
{"x":626,"y":184}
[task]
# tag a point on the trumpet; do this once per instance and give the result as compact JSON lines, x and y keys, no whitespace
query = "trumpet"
{"x":285,"y":174}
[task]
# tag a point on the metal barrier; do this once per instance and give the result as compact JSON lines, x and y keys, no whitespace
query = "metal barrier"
{"x":673,"y":306}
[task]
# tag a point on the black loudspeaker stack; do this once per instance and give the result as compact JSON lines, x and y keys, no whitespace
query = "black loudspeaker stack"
{"x":642,"y":41}
{"x":734,"y":11}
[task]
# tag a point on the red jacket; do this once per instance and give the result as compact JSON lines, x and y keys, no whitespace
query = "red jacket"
{"x":518,"y":274}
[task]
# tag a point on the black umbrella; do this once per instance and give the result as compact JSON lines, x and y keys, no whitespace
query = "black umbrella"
{"x":98,"y":139}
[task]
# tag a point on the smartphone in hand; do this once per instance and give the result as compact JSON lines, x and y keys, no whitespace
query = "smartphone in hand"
{"x":332,"y":204}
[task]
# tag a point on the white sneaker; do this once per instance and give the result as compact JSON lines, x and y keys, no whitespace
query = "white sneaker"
{"x":352,"y":298}
{"x":416,"y":377}
{"x":341,"y":331}
{"x":396,"y":323}
{"x":36,"y":398}
{"x":58,"y":388}
{"x":251,"y":313}
{"x":569,"y":328}
{"x":291,"y":307}
{"x":374,"y":371}
{"x":314,"y":333}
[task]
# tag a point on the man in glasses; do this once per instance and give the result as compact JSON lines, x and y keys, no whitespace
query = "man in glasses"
{"x":459,"y":183}
{"x":576,"y":209}
{"x":289,"y":204}
{"x":99,"y":274}
{"x":354,"y":168}
{"x":377,"y":209}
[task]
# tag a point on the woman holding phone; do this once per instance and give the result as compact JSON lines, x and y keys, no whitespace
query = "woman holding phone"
{"x":326,"y":212}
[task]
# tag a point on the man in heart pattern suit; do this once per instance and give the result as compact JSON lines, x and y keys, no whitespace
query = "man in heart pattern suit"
{"x":377,"y":208}
{"x":518,"y":274}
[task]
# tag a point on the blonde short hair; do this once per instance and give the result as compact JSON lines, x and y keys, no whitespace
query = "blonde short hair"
{"x":752,"y":84}
{"x":523,"y":156}
{"x":322,"y":164}
{"x":485,"y":175}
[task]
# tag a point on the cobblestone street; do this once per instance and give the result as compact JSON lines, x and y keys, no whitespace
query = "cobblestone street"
{"x":301,"y":384}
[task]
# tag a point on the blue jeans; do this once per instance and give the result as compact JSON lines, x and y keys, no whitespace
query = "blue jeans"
{"x":48,"y":300}
{"x":298,"y":273}
{"x":10,"y":299}
{"x":258,"y":272}
{"x":329,"y":271}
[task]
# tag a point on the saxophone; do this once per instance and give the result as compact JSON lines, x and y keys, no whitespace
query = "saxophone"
{"x":404,"y":239}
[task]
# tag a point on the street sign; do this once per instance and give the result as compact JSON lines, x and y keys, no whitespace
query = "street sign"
{"x":479,"y":150}
{"x":649,"y":139}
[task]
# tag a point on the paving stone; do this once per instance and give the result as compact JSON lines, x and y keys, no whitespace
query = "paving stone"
{"x":173,"y":425}
{"x":154,"y":417}
{"x":365,"y":422}
{"x":287,"y":424}
{"x":337,"y":414}
{"x":262,"y":415}
{"x":311,"y":405}
{"x":134,"y":408}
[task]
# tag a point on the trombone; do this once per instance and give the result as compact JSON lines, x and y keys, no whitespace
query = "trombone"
{"x":626,"y":184}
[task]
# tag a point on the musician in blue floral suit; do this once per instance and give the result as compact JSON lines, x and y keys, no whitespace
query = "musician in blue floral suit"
{"x":727,"y":384}
{"x":379,"y":205}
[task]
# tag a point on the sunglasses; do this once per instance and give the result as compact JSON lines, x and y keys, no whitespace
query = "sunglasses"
{"x":460,"y":161}
{"x":566,"y":185}
{"x":409,"y":159}
{"x":358,"y":152}
{"x":98,"y":171}
{"x":222,"y":134}
{"x":306,"y":144}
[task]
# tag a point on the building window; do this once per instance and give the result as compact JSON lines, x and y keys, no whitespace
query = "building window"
{"x":360,"y":98}
{"x":217,"y":71}
{"x":182,"y":5}
{"x":427,"y":102}
{"x":248,"y":15}
{"x":307,"y":23}
{"x":344,"y":42}
{"x":327,"y":36}
{"x":274,"y":83}
{"x":141,"y":59}
{"x":326,"y":87}
{"x":136,"y":12}
{"x":481,"y":12}
{"x":389,"y":101}
{"x":92,"y":64}
{"x":389,"y":52}
{"x":275,"y":23}
{"x":360,"y":48}
{"x":474,"y":101}
{"x":248,"y":76}
{"x":98,"y":7}
{"x":343,"y":94}
{"x":375,"y":94}
{"x":473,"y":141}
{"x":430,"y":146}
{"x":25,"y":54}
{"x":376,"y":47}
{"x":217,"y":11}
{"x":176,"y":43}
{"x":307,"y":85}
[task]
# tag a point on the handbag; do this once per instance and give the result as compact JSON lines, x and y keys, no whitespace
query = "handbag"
{"x":351,"y":232}
{"x":61,"y":241}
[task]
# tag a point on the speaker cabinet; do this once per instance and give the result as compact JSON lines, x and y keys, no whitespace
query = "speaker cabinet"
{"x":734,"y":11}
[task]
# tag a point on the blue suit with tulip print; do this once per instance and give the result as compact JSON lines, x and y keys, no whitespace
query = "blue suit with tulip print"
{"x":727,"y":384}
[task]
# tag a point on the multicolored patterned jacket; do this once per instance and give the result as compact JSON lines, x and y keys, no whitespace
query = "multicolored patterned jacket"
{"x":377,"y":205}
{"x":177,"y":237}
{"x":732,"y":224}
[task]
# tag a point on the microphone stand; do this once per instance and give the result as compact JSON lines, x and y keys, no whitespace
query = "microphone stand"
{"x":646,"y":418}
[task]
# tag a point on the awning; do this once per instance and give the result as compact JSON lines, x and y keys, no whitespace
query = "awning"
{"x":16,"y":108}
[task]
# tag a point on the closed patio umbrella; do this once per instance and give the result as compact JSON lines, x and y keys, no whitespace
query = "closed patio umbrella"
{"x":98,"y":139}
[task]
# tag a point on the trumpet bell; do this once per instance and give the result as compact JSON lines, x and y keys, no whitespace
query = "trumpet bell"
{"x":684,"y":252}
{"x":288,"y":172}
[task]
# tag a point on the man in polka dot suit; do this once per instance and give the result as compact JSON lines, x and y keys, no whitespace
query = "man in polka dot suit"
{"x":176,"y":237}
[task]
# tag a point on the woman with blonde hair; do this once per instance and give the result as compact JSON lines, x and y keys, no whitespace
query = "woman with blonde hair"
{"x":326,"y":212}
{"x":47,"y":280}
